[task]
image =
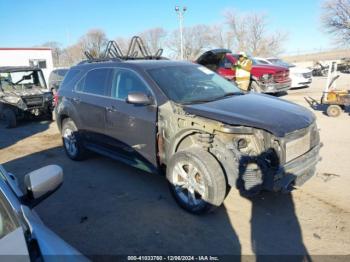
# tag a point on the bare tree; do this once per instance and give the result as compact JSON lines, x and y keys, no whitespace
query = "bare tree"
{"x":197,"y":38}
{"x":219,"y":37}
{"x":72,"y":55}
{"x":336,"y":19}
{"x":123,"y":43}
{"x":56,"y":51}
{"x":250,"y":34}
{"x":94,"y":41}
{"x":153,"y":38}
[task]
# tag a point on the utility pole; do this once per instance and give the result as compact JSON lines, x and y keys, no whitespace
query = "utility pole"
{"x":180,"y":14}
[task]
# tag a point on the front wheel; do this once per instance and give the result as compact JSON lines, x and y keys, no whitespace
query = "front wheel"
{"x":334,"y":110}
{"x":196,"y":180}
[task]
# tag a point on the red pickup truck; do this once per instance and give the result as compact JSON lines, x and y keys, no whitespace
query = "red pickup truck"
{"x":265,"y":78}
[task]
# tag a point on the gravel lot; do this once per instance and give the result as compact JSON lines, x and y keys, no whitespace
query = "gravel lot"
{"x":105,"y":207}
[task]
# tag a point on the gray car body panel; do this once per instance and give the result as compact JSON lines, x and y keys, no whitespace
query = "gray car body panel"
{"x":49,"y":242}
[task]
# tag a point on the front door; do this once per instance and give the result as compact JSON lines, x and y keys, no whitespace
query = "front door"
{"x":132,"y":127}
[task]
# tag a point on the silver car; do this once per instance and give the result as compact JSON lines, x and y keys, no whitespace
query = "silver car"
{"x":22,"y":234}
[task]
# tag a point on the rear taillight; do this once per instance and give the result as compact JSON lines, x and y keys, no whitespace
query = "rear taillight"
{"x":55,"y":100}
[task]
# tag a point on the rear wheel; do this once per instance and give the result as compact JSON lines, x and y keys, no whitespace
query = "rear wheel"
{"x":196,"y":180}
{"x":9,"y":116}
{"x":334,"y":110}
{"x":72,"y":141}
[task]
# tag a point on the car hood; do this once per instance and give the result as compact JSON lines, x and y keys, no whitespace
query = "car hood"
{"x":269,"y":68}
{"x":272,"y":114}
{"x":27,"y":92}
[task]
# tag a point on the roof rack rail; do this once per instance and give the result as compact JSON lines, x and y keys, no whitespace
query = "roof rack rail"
{"x":113,"y":52}
{"x":97,"y":60}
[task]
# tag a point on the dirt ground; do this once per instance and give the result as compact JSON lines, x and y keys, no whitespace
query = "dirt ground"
{"x":105,"y":207}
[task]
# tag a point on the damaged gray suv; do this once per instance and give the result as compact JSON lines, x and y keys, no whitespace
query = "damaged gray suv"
{"x":186,"y":121}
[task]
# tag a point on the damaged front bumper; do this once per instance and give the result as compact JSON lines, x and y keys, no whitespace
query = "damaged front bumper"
{"x":295,"y":172}
{"x":274,"y":87}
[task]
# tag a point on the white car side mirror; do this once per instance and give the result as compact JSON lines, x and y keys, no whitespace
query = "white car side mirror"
{"x":42,"y":182}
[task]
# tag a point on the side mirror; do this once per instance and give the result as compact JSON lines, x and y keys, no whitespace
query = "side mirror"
{"x":41,"y":183}
{"x":138,"y":98}
{"x":228,"y":65}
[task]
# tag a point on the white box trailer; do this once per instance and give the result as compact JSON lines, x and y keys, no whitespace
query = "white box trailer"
{"x":32,"y":56}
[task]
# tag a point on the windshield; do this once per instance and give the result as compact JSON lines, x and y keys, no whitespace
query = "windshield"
{"x":280,"y":62}
{"x":21,"y":80}
{"x":261,"y":62}
{"x":188,"y":84}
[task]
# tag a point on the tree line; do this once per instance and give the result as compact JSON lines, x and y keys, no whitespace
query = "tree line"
{"x":239,"y":32}
{"x":247,"y":32}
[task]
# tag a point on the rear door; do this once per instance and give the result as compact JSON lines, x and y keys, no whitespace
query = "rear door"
{"x":90,"y":102}
{"x":131,"y":127}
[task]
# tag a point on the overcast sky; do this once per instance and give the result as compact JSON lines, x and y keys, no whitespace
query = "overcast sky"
{"x":29,"y":23}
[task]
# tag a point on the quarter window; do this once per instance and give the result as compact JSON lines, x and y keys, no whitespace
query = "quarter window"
{"x":125,"y":82}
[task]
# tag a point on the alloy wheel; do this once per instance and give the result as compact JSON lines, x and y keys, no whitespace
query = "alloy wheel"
{"x":70,"y":142}
{"x":189,"y":184}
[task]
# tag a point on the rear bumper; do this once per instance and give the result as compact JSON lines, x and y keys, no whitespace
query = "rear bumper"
{"x":297,"y":171}
{"x":276,"y":87}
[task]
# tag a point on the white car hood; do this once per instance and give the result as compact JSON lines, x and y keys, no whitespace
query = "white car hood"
{"x":299,"y":70}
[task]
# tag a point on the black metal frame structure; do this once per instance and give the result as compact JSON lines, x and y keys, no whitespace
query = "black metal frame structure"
{"x":137,"y":51}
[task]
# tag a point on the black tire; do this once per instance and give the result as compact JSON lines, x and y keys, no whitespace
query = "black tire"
{"x":254,"y":87}
{"x":210,"y":175}
{"x":9,"y":117}
{"x":70,"y":134}
{"x":334,"y":110}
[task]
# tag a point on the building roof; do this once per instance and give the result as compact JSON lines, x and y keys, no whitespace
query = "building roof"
{"x":25,"y":48}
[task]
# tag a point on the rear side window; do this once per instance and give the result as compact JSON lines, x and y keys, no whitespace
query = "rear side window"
{"x":70,"y":78}
{"x":97,"y":81}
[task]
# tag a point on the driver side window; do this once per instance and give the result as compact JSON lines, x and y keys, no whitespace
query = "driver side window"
{"x":126,"y":81}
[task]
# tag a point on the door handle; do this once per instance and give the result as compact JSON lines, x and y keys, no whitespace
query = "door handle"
{"x":111,"y":109}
